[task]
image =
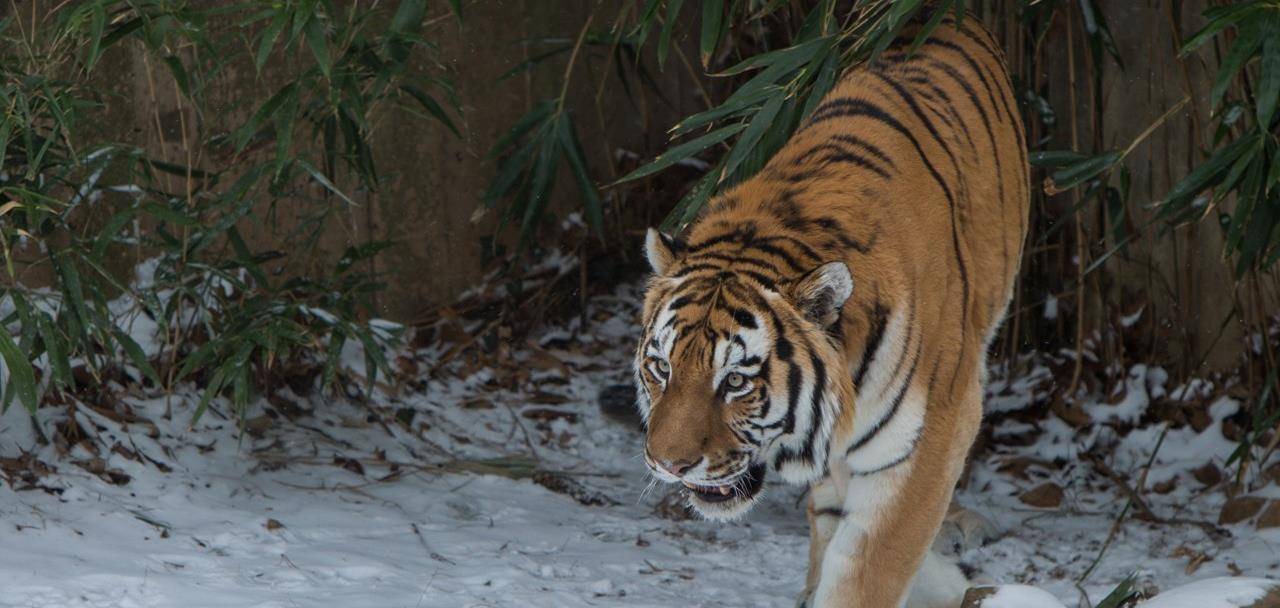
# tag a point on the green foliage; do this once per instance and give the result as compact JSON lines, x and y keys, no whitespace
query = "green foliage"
{"x":1123,"y":595}
{"x":1245,"y":161}
{"x":778,"y":89}
{"x":76,"y":202}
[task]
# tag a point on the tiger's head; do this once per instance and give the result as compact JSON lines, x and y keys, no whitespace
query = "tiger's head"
{"x":737,"y":369}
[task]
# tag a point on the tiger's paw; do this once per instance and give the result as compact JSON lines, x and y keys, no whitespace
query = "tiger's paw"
{"x":962,"y":530}
{"x":806,"y":599}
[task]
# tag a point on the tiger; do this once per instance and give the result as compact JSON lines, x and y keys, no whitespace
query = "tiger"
{"x":828,"y":319}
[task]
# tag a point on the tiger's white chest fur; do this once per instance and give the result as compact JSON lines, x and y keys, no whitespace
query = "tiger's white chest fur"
{"x":889,"y":408}
{"x":868,"y":468}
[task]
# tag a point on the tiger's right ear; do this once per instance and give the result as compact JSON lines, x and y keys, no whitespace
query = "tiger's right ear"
{"x":661,"y":251}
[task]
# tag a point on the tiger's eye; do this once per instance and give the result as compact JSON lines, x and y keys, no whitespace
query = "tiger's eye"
{"x":663,"y":366}
{"x":735,"y":380}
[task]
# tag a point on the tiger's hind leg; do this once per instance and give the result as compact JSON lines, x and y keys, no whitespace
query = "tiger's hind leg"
{"x":962,"y":530}
{"x":938,"y":584}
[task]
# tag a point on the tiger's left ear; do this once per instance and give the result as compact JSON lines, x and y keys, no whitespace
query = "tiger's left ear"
{"x":661,"y":251}
{"x":822,"y":293}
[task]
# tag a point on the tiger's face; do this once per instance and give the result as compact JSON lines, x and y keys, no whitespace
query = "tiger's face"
{"x":731,"y":376}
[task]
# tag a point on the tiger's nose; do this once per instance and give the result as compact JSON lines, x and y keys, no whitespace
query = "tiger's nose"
{"x":678,"y":467}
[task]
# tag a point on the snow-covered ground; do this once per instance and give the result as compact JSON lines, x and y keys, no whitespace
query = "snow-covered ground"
{"x":503,"y":485}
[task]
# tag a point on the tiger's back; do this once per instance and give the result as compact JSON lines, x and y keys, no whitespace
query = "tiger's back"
{"x":915,"y":171}
{"x":850,"y":289}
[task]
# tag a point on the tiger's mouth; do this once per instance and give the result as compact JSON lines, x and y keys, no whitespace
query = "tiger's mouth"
{"x":744,"y":487}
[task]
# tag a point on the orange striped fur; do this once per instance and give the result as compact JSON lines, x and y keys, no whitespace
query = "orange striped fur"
{"x":827,"y":321}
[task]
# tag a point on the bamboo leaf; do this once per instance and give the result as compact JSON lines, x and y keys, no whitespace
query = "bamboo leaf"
{"x":1269,"y":75}
{"x":751,"y":135}
{"x":118,"y":34}
{"x":939,"y":13}
{"x":195,"y":360}
{"x":336,"y":341}
{"x":409,"y":16}
{"x":179,"y":74}
{"x":544,"y":174}
{"x":528,"y":64}
{"x":374,"y":359}
{"x":1120,"y":596}
{"x":712,"y":29}
{"x":210,"y":391}
{"x":108,"y":232}
{"x":790,"y":57}
{"x":1055,"y":158}
{"x":1202,"y":177}
{"x":533,"y":118}
{"x":269,"y":37}
{"x":1078,"y":173}
{"x":683,"y":151}
{"x":73,"y":290}
{"x":693,"y":201}
{"x":97,"y":23}
{"x":511,"y":170}
{"x":572,"y":149}
{"x":22,"y":378}
{"x":668,"y":28}
{"x":136,"y":355}
{"x":429,"y":104}
{"x":734,"y":105}
{"x":250,"y":128}
{"x":322,"y":180}
{"x":1262,"y":222}
{"x":56,"y":347}
{"x":1219,"y":20}
{"x":317,"y":40}
{"x":899,"y":13}
{"x":822,"y":83}
{"x":1242,"y":49}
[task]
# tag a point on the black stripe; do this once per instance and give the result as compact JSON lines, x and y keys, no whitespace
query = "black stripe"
{"x":692,"y":268}
{"x":835,"y":108}
{"x":893,"y":410}
{"x":797,"y":243}
{"x":745,"y":319}
{"x":955,"y":208}
{"x":865,"y":146}
{"x":781,"y":343}
{"x":815,"y":406}
{"x":794,"y":380}
{"x":910,"y":100}
{"x":1007,"y":93}
{"x":986,"y":123}
{"x":782,"y":254}
{"x":764,"y":396}
{"x":895,"y":462}
{"x":835,"y":512}
{"x":764,"y":281}
{"x":839,"y":155}
{"x":736,"y":259}
{"x":680,"y":302}
{"x":947,"y":112}
{"x":834,"y":228}
{"x":875,"y":334}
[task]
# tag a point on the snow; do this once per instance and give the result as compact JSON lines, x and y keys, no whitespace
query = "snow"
{"x":1021,"y":596}
{"x":427,"y":498}
{"x":1214,"y":593}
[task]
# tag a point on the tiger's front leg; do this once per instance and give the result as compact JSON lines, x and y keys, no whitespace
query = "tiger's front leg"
{"x":879,"y":554}
{"x":824,"y":510}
